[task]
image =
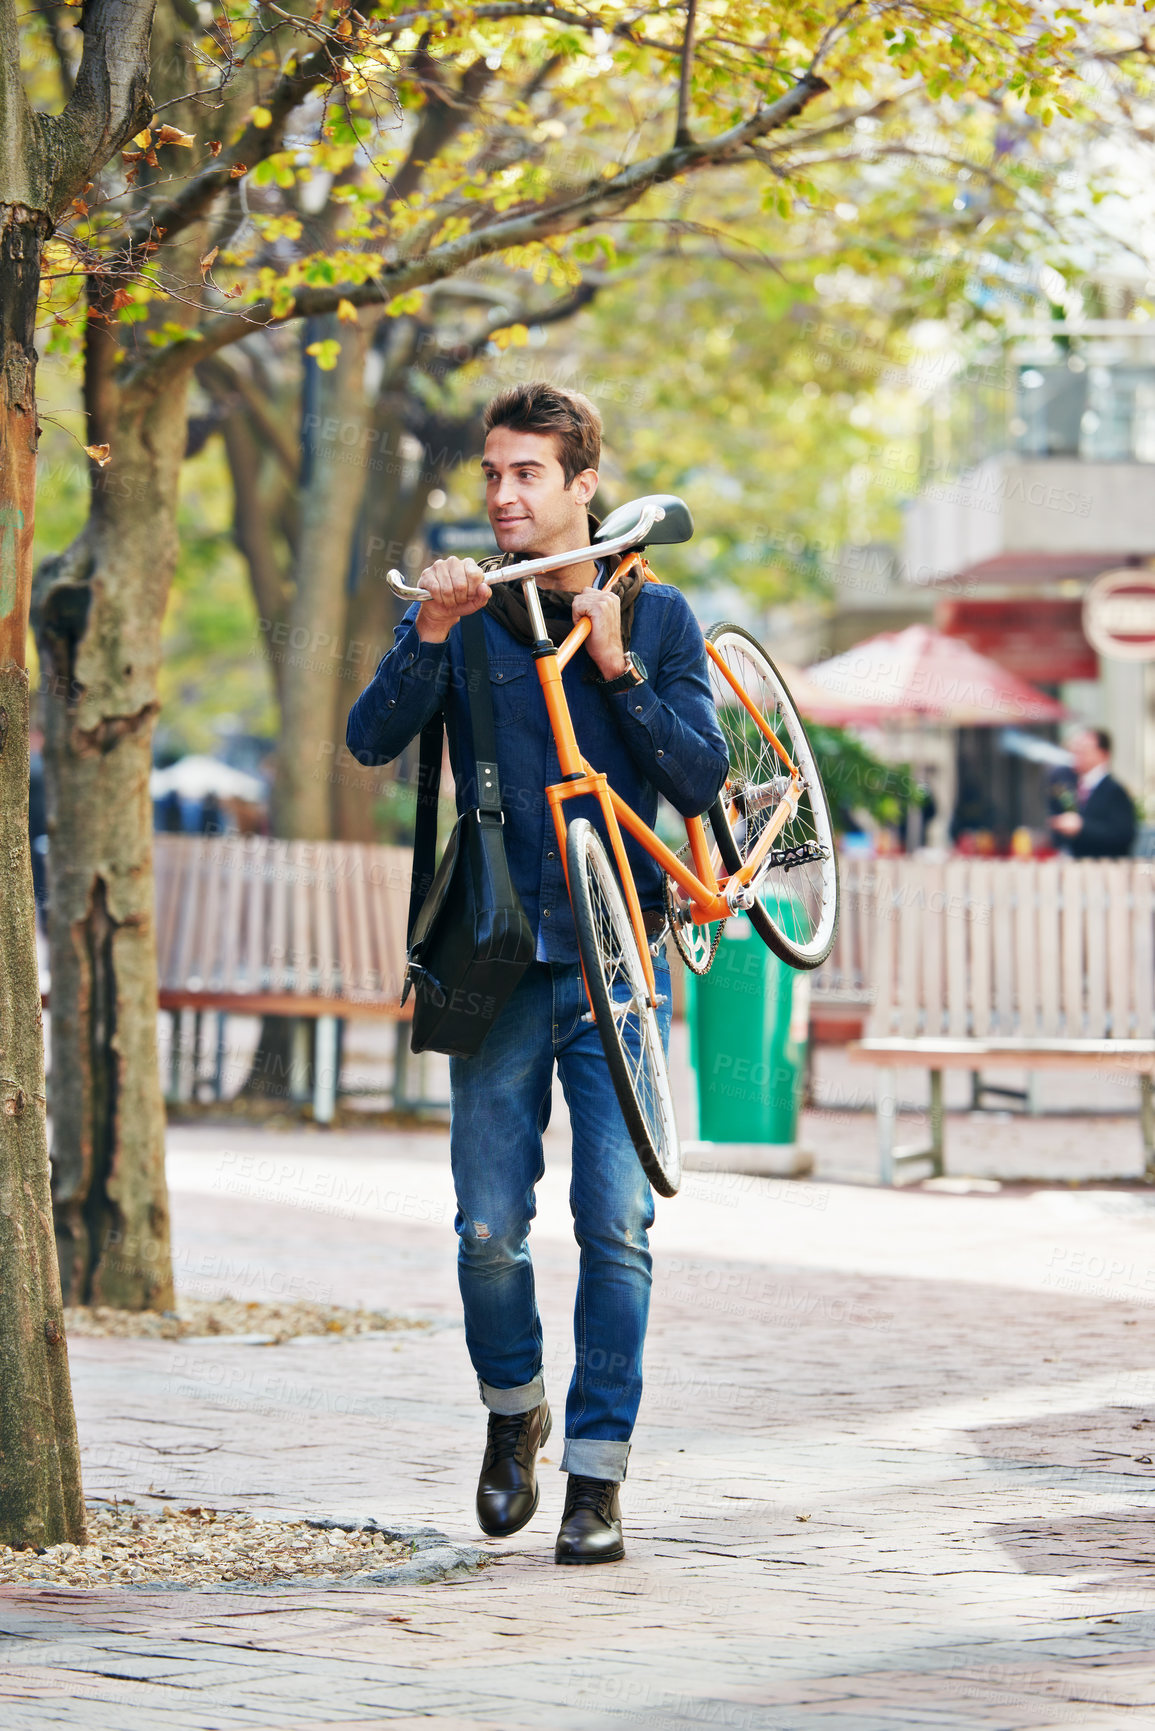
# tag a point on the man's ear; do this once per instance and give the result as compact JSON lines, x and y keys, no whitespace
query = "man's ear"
{"x":585,"y":485}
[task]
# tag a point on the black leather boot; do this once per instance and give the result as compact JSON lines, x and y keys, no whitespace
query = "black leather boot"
{"x":591,"y":1525}
{"x":507,"y":1491}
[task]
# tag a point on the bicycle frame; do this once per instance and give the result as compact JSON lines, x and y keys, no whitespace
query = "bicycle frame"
{"x":711,"y":898}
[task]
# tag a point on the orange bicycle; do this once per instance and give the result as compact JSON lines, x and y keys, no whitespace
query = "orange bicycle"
{"x":772,"y":855}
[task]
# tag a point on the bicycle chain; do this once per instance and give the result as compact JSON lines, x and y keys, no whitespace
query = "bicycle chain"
{"x":675,"y":923}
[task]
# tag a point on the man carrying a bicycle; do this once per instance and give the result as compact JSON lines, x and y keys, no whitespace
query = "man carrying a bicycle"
{"x":642,"y":707}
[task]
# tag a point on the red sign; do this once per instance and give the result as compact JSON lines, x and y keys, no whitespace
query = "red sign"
{"x":1119,"y":614}
{"x":1041,"y":641}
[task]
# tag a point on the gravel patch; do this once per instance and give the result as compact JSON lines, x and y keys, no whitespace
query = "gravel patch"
{"x":205,"y":1316}
{"x":197,"y":1547}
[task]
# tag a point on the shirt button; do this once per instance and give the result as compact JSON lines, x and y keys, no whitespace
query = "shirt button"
{"x":550,"y":854}
{"x":661,"y":754}
{"x":545,"y":913}
{"x":637,"y":709}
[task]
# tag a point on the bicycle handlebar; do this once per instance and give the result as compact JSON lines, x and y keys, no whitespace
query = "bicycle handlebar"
{"x":650,"y":515}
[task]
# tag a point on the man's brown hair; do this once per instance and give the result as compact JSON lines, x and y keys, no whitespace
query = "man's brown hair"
{"x":541,"y":408}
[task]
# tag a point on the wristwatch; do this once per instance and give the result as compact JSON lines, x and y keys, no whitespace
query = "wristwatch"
{"x":635,"y":674}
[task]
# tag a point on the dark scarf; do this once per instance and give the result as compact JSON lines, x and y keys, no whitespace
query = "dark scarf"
{"x":507,"y":605}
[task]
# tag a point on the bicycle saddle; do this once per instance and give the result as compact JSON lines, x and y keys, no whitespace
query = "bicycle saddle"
{"x":676,"y":523}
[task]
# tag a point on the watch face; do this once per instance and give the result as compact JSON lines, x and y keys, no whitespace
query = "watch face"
{"x":638,"y":666}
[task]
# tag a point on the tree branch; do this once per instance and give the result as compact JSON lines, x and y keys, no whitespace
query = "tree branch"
{"x":598,"y":200}
{"x":255,"y":144}
{"x":224,"y":380}
{"x":109,"y":101}
{"x":446,"y":111}
{"x":682,"y":126}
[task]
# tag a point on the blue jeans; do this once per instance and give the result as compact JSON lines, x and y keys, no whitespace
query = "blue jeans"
{"x":500,"y":1107}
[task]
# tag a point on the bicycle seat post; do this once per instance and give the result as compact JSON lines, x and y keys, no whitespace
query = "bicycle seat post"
{"x":536,"y":616}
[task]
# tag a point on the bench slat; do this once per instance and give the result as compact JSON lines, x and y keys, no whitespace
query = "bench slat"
{"x":933,"y":950}
{"x":909,"y":947}
{"x":229,"y":951}
{"x":1050,"y":950}
{"x":1071,"y":895}
{"x":1117,"y":876}
{"x":957,"y":934}
{"x":1095,"y":947}
{"x":276,"y":957}
{"x":330,"y":863}
{"x":1143,"y":948}
{"x":981,"y":939}
{"x":1002,"y":938}
{"x":1025,"y":905}
{"x":189,"y":892}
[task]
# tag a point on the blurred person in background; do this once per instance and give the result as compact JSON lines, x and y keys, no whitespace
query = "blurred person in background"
{"x":1101,"y":821}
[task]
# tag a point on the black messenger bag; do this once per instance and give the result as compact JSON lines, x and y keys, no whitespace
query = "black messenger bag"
{"x":469,"y":940}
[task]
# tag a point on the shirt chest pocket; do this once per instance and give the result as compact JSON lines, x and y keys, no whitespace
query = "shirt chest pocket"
{"x":510,"y":687}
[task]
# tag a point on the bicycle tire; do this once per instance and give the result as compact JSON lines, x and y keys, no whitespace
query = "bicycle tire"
{"x":796,"y":908}
{"x":625,"y":1018}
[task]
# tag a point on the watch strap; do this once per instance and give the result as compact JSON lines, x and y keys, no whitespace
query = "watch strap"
{"x":634,"y":675}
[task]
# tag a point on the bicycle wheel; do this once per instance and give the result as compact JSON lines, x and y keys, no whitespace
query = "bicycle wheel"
{"x":626,"y":1020}
{"x":796,"y":906}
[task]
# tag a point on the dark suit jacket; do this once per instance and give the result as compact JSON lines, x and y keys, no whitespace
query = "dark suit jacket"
{"x":1108,"y":830}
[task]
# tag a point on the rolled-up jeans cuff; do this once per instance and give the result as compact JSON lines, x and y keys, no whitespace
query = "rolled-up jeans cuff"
{"x":591,"y":1458}
{"x":507,"y":1401}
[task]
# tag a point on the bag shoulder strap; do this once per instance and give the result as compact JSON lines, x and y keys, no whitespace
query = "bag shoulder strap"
{"x":429,"y":766}
{"x":481,"y":714}
{"x":425,"y":820}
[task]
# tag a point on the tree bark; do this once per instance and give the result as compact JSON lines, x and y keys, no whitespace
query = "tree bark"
{"x":98,"y":612}
{"x":336,"y":452}
{"x":41,"y":1499}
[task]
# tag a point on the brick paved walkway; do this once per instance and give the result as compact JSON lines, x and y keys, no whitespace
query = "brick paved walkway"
{"x":894,"y":1466}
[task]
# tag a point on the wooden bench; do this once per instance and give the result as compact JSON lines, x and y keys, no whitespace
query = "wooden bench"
{"x":250,"y":925}
{"x":979,"y":964}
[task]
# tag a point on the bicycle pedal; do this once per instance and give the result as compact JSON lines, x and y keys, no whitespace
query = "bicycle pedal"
{"x":806,"y":853}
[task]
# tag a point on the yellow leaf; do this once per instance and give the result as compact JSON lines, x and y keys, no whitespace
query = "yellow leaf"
{"x":325,"y":353}
{"x":346,"y":312}
{"x":99,"y":454}
{"x":143,"y":139}
{"x":261,"y":117}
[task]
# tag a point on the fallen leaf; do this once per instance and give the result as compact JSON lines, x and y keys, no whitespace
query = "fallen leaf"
{"x":99,"y":453}
{"x":802,"y":1517}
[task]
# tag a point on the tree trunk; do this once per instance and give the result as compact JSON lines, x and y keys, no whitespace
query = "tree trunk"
{"x":99,"y":608}
{"x":41,"y":1500}
{"x":336,"y":449}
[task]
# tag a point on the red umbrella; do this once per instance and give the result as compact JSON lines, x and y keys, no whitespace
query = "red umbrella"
{"x":920,"y":673}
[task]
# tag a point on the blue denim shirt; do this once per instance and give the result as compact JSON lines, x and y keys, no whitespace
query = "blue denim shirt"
{"x":662,"y":736}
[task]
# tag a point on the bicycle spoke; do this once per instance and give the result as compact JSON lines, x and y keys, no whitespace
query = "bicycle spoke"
{"x":796,"y":895}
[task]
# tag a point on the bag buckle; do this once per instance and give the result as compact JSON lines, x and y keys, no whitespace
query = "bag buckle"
{"x":416,"y":975}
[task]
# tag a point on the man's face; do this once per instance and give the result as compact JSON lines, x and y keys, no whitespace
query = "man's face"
{"x":530,"y":507}
{"x":1086,"y":754}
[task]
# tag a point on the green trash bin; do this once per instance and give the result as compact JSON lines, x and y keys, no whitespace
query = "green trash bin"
{"x":748,"y":1028}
